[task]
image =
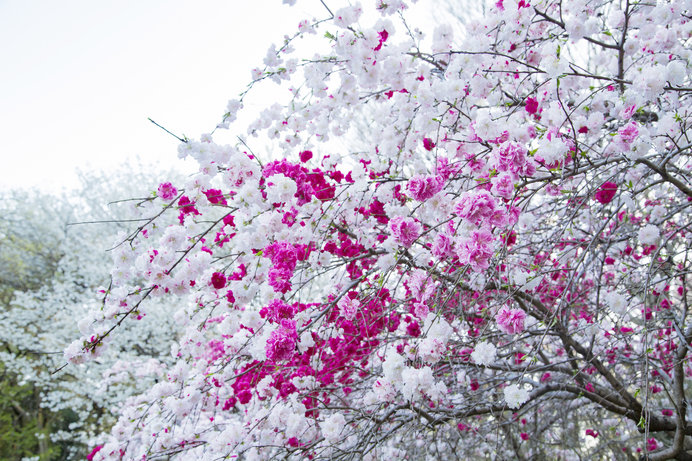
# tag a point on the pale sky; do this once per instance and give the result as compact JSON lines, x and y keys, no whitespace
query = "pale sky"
{"x":79,"y":78}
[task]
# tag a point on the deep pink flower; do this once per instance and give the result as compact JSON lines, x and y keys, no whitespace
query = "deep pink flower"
{"x":215,"y":196}
{"x":531,"y":105}
{"x":384,"y":35}
{"x":166,"y":191}
{"x":187,"y":206}
{"x":282,"y":342}
{"x":96,"y":449}
{"x":218,"y":280}
{"x":282,"y":254}
{"x":413,"y":329}
{"x":428,"y":144}
{"x":606,"y":192}
{"x":305,"y":156}
{"x":279,"y":310}
{"x":511,"y":321}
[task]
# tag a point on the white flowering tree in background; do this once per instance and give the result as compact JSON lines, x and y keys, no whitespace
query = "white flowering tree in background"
{"x":498,"y":267}
{"x":54,"y":261}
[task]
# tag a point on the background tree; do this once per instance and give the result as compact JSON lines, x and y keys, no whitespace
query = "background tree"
{"x":54,"y":260}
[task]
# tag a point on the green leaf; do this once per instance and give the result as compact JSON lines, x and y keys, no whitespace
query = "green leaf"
{"x":642,"y":422}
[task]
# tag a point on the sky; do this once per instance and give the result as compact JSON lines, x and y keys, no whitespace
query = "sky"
{"x":80,"y":78}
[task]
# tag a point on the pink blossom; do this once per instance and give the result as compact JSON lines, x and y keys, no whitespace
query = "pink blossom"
{"x":218,"y":280}
{"x":424,"y":187}
{"x":278,"y":310}
{"x":476,"y":250}
{"x":421,"y":310}
{"x":348,"y":305}
{"x":606,"y":192}
{"x":215,"y":196}
{"x":627,"y":112}
{"x":531,"y":105}
{"x":476,"y":206}
{"x":404,"y":230}
{"x":421,"y":285}
{"x":628,"y":133}
{"x":511,"y":321}
{"x":305,"y":156}
{"x":503,"y":185}
{"x":512,"y":158}
{"x":280,"y":279}
{"x":428,"y":144}
{"x":167,"y":191}
{"x":282,"y":254}
{"x":282,"y":342}
{"x":442,"y":246}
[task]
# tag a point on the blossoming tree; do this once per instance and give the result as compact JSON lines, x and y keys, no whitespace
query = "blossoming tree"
{"x":498,"y":265}
{"x":52,"y":269}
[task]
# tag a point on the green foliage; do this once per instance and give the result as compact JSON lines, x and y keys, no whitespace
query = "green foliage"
{"x":25,"y":427}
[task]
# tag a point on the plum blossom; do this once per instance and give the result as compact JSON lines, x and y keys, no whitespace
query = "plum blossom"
{"x":282,"y":342}
{"x":515,"y":396}
{"x":606,"y":192}
{"x":281,"y":189}
{"x":484,"y":353}
{"x":405,"y":230}
{"x":503,"y":185}
{"x":442,"y":246}
{"x":476,"y":250}
{"x":348,"y":306}
{"x":332,"y":427}
{"x":421,"y":285}
{"x":627,"y":134}
{"x":616,"y":302}
{"x":649,"y":234}
{"x":424,"y":187}
{"x":477,"y":206}
{"x":511,"y":321}
{"x":167,"y":191}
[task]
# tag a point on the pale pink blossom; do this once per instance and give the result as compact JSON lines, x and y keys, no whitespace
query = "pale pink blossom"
{"x":404,"y":230}
{"x":511,"y":321}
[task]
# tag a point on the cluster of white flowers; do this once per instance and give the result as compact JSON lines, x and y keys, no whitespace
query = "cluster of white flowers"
{"x":616,"y":302}
{"x":649,"y":234}
{"x":515,"y":396}
{"x":484,"y":353}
